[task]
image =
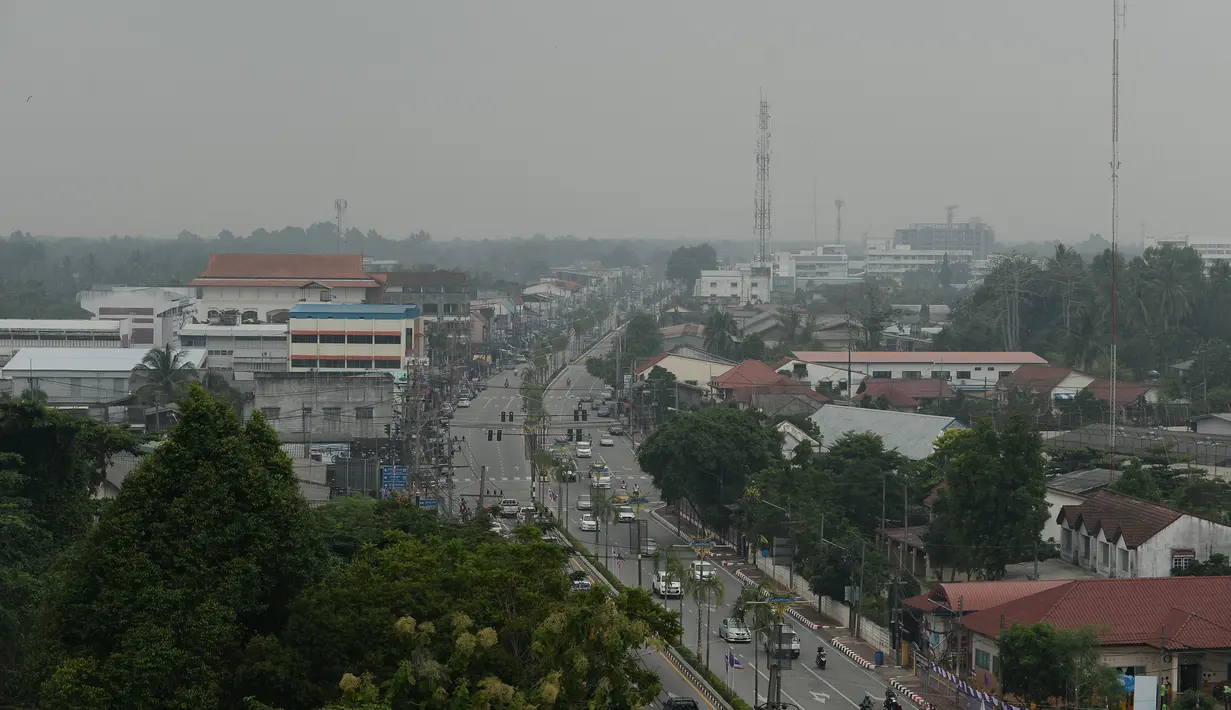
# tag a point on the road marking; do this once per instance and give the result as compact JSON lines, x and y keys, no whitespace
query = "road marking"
{"x":686,"y":680}
{"x":820,"y":697}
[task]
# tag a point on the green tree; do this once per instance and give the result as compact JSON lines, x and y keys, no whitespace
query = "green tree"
{"x":604,"y":510}
{"x":1216,"y":566}
{"x":197,"y":557}
{"x":995,"y":493}
{"x":1137,"y":481}
{"x":686,"y":263}
{"x":721,"y":333}
{"x":163,"y":374}
{"x":1039,"y":662}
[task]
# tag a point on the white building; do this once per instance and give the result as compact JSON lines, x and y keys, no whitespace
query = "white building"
{"x":1115,"y":535}
{"x":828,"y":264}
{"x":962,"y":370}
{"x":241,"y":348}
{"x":17,"y":334}
{"x":156,"y":312}
{"x":689,"y":370}
{"x":734,"y":287}
{"x":324,"y":406}
{"x":883,"y":258}
{"x":1211,"y":249}
{"x":262,"y":288}
{"x":80,"y":376}
{"x":335,"y":336}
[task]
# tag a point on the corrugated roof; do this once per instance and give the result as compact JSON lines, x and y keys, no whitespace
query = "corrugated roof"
{"x":749,"y":373}
{"x":1176,"y":613}
{"x":286,"y":283}
{"x":911,"y":435}
{"x":84,"y":360}
{"x":683,"y":330}
{"x":285,"y":266}
{"x":649,"y":364}
{"x":924,"y":357}
{"x":970,"y":597}
{"x":902,"y":392}
{"x":1081,"y":482}
{"x":60,"y":324}
{"x":227,"y":331}
{"x":1037,"y":377}
{"x":355,"y":311}
{"x":1126,"y":392}
{"x":1119,"y":517}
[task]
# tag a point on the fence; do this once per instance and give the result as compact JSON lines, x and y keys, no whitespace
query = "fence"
{"x":940,"y":684}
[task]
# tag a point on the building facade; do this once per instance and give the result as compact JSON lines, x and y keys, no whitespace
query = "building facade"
{"x":156,"y":313}
{"x":341,"y":337}
{"x":81,"y":376}
{"x":733,"y":287}
{"x":973,"y":236}
{"x":826,"y":265}
{"x":17,"y":334}
{"x":241,"y":348}
{"x":883,"y":258}
{"x":1211,"y":249}
{"x":262,"y":288}
{"x":962,"y":370}
{"x":320,"y":407}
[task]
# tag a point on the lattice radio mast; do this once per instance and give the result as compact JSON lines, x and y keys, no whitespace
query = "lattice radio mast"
{"x":761,"y":209}
{"x":1117,"y":21}
{"x":339,"y":206}
{"x":838,"y":204}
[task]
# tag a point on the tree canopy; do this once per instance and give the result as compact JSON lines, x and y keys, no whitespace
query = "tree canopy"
{"x":686,"y":263}
{"x":1040,"y":662}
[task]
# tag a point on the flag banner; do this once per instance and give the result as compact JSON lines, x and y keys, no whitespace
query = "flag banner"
{"x":733,"y":662}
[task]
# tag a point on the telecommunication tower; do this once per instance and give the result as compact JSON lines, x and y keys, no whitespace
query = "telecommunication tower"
{"x":339,"y":206}
{"x":949,"y":212}
{"x":1117,"y":7}
{"x":838,"y":204}
{"x":761,"y":208}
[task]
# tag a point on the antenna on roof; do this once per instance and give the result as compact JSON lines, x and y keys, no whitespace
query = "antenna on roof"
{"x":339,"y":206}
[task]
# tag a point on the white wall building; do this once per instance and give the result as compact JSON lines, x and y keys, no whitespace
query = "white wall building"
{"x":334,"y":336}
{"x":241,"y":348}
{"x":734,"y":287}
{"x":828,"y":264}
{"x":689,"y":370}
{"x":1211,"y":249}
{"x":962,"y":370}
{"x":883,"y":258}
{"x":324,"y":406}
{"x":80,"y":376}
{"x":16,"y":334}
{"x":262,"y":288}
{"x":156,"y":312}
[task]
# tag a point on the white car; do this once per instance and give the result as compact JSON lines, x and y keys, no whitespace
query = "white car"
{"x":589,"y":523}
{"x":584,"y":451}
{"x":602,"y":481}
{"x":583,"y":502}
{"x":702,"y":570}
{"x":625,"y":515}
{"x":463,"y":403}
{"x":733,"y":630}
{"x":606,"y":440}
{"x":667,"y":586}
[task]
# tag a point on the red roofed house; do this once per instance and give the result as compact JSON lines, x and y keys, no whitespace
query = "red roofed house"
{"x":687,"y":368}
{"x":1174,"y":627}
{"x":252,"y":288}
{"x":903,"y":395}
{"x":1059,"y":383}
{"x":753,"y":377}
{"x":962,"y":370}
{"x":1116,"y":535}
{"x":940,"y":609}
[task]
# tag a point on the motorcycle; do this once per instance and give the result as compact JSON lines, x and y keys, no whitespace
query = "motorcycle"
{"x":506,"y":382}
{"x":891,"y":701}
{"x":820,"y":658}
{"x":866,"y":703}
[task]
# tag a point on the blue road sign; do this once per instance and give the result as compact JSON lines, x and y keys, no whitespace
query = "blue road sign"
{"x":639,"y":501}
{"x":429,"y":503}
{"x":393,"y":477}
{"x":701,"y":543}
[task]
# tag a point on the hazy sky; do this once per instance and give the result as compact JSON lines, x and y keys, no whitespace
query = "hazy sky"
{"x":609,"y":119}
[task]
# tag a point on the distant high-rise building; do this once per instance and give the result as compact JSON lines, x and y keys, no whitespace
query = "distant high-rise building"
{"x":973,"y":236}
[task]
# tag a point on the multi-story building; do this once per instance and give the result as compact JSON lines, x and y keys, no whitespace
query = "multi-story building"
{"x":262,"y":288}
{"x":380,"y":266}
{"x":826,"y":265}
{"x":973,"y":236}
{"x":339,"y":337}
{"x":884,"y":258}
{"x":81,"y":376}
{"x":1211,"y":249}
{"x":263,"y":347}
{"x":155,"y":312}
{"x":324,"y":407}
{"x":734,"y":287}
{"x":962,"y":370}
{"x":17,"y":334}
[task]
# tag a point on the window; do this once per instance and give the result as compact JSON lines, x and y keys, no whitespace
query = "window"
{"x":387,"y":339}
{"x":303,"y":362}
{"x":912,"y":375}
{"x":359,"y":364}
{"x":333,"y":418}
{"x":335,"y":363}
{"x":363,"y":413}
{"x":983,"y":660}
{"x":271,"y":413}
{"x":357,"y":339}
{"x":74,"y":387}
{"x":1123,"y":566}
{"x":303,"y":337}
{"x":1182,"y":559}
{"x":325,"y":296}
{"x":388,"y":364}
{"x":882,"y":375}
{"x":1104,"y":554}
{"x":991,"y":369}
{"x":1003,"y":374}
{"x":963,"y":374}
{"x":333,"y":338}
{"x":941,"y":375}
{"x":192,"y":341}
{"x":713,"y":284}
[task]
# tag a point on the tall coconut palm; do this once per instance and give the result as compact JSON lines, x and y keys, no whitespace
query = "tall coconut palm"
{"x":604,"y":509}
{"x":164,"y":373}
{"x":707,"y":592}
{"x":791,"y":321}
{"x":678,"y":568}
{"x":721,"y":333}
{"x":758,"y":616}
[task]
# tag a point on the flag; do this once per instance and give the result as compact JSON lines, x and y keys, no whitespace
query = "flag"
{"x":551,"y":495}
{"x":764,"y":541}
{"x":619,"y":558}
{"x":733,"y":662}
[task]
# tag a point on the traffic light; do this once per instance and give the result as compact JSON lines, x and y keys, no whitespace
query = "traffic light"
{"x":499,"y":433}
{"x":581,"y":435}
{"x":570,"y":434}
{"x":502,"y":415}
{"x":585,"y":415}
{"x":510,"y":416}
{"x":489,"y":434}
{"x":387,"y":429}
{"x":576,"y":415}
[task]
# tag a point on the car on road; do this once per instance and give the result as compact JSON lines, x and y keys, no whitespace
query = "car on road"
{"x":589,"y":523}
{"x":581,"y":585}
{"x":734,"y":630}
{"x":625,"y":515}
{"x":606,"y":440}
{"x":526,"y":514}
{"x":583,"y":502}
{"x":584,"y":451}
{"x":602,"y":411}
{"x":621,"y":499}
{"x":786,"y":645}
{"x":496,"y":528}
{"x":700,"y":570}
{"x":602,"y":480}
{"x":666,"y":586}
{"x":509,"y":508}
{"x":616,"y":430}
{"x":649,"y":546}
{"x":585,"y":398}
{"x":675,"y":702}
{"x":464,"y":403}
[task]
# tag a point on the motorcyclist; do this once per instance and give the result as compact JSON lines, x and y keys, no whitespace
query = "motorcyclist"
{"x":623,"y":486}
{"x":820,"y":657}
{"x":891,"y":700}
{"x":867,"y":702}
{"x":636,"y":491}
{"x":568,"y":381}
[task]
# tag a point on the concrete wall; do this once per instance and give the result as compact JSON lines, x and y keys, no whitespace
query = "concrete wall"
{"x":1213,"y":425}
{"x":339,"y":404}
{"x":1188,"y":533}
{"x":1055,"y":501}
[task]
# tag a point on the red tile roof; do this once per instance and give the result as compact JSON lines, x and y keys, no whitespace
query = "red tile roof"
{"x":937,"y":358}
{"x":1119,"y":517}
{"x":904,"y":393}
{"x":1037,"y":377}
{"x":1127,"y":393}
{"x":755,"y":377}
{"x":286,"y":266}
{"x":291,"y":283}
{"x":782,"y":363}
{"x":1176,"y":613}
{"x":649,"y":364}
{"x":969,"y":597}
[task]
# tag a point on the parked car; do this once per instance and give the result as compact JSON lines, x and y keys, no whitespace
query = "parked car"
{"x":734,"y":630}
{"x":581,"y":585}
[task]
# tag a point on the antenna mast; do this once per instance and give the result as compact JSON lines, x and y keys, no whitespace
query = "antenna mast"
{"x":838,"y":204}
{"x":761,"y":222}
{"x":339,"y":206}
{"x":1117,"y":7}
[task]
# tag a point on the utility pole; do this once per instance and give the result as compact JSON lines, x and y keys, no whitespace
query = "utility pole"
{"x":482,"y":486}
{"x":1117,"y":19}
{"x":838,"y":204}
{"x":339,"y":206}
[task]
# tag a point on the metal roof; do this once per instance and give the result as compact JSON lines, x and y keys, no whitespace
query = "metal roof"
{"x":84,"y":360}
{"x":355,"y":311}
{"x":227,"y":331}
{"x":911,"y":435}
{"x":1081,"y":482}
{"x":59,"y":324}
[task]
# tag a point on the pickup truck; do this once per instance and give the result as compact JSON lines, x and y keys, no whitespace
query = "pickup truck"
{"x":787,"y":644}
{"x":509,"y":508}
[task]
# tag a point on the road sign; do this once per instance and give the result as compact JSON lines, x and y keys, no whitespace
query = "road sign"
{"x":639,"y":501}
{"x":701,"y":543}
{"x":429,"y":503}
{"x":628,"y":381}
{"x":393,"y":477}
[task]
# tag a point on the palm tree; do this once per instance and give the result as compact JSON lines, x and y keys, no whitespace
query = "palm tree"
{"x":679,"y":570}
{"x":702,"y":592}
{"x":748,"y":604}
{"x":605,"y":511}
{"x":164,"y":373}
{"x":721,"y":333}
{"x":790,"y":320}
{"x":34,"y":394}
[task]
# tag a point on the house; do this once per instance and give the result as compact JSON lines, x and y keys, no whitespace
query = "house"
{"x":752,"y":377}
{"x":16,"y":334}
{"x":1219,"y":424}
{"x":155,"y":313}
{"x":912,"y":435}
{"x":903,"y":395}
{"x":785,"y":404}
{"x":241,"y":348}
{"x":940,"y":609}
{"x":324,"y":407}
{"x":1116,"y":535}
{"x":1072,"y":488}
{"x":962,"y":370}
{"x":792,"y":437}
{"x":691,"y":334}
{"x":695,"y":368}
{"x":1173,"y":627}
{"x":81,"y":377}
{"x":1047,"y":380}
{"x":338,"y":336}
{"x":262,"y":288}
